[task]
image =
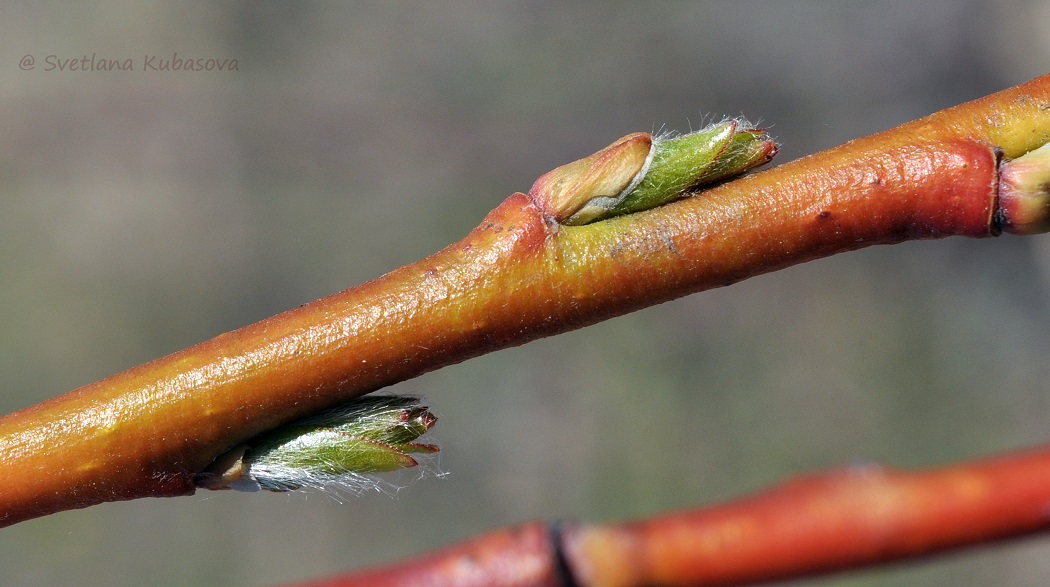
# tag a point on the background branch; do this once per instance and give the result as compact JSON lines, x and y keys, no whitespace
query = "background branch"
{"x":832,"y":521}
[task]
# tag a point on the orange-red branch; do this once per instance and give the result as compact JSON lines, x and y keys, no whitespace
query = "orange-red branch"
{"x":820,"y":523}
{"x":516,"y":557}
{"x":845,"y":518}
{"x":519,"y":276}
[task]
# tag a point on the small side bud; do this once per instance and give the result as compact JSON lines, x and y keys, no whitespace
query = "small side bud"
{"x":1024,"y":193}
{"x":372,"y":434}
{"x":225,"y":470}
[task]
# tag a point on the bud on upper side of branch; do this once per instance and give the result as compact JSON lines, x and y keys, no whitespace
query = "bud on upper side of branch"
{"x":639,"y":171}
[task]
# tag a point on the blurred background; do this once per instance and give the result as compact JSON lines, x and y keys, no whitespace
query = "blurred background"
{"x":144,"y":211}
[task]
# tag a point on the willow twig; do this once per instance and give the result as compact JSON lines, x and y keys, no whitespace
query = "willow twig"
{"x":522,"y":274}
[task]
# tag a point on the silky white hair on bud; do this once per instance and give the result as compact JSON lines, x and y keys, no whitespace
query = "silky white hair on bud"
{"x":337,"y":451}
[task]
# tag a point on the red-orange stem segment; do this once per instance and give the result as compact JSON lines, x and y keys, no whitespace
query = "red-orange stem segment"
{"x":516,"y":557}
{"x":820,"y":523}
{"x":840,"y":519}
{"x":518,"y":276}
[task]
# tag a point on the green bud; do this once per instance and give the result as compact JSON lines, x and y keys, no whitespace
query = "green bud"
{"x":638,"y":171}
{"x":748,"y":149}
{"x":340,"y":446}
{"x":678,"y":164}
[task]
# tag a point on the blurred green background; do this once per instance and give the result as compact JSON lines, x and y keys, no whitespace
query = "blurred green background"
{"x":141,"y":212}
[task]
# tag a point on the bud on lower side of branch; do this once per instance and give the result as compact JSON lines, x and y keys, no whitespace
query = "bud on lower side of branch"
{"x":341,"y":446}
